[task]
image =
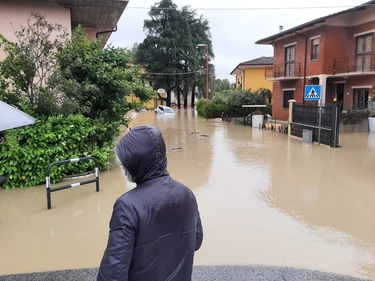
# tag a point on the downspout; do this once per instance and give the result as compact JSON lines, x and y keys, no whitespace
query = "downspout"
{"x":235,"y":81}
{"x":244,"y":78}
{"x":106,"y":31}
{"x":304,"y":65}
{"x":98,"y":33}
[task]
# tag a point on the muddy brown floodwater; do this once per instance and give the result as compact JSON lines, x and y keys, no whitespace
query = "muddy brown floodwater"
{"x":264,"y":199}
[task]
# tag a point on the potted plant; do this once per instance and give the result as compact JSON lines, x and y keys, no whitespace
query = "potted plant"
{"x":257,"y":112}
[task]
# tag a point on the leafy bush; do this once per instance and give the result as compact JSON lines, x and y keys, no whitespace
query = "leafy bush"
{"x":201,"y":107}
{"x":220,"y":98}
{"x":268,"y":109}
{"x":213,"y":109}
{"x":49,"y":74}
{"x":27,"y":152}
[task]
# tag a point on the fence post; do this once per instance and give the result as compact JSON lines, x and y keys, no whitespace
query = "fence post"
{"x":335,"y":125}
{"x":290,"y":119}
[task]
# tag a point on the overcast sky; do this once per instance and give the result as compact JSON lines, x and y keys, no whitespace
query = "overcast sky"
{"x":235,"y":25}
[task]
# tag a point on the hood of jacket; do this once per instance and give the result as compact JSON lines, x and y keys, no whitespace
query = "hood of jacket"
{"x":142,"y":152}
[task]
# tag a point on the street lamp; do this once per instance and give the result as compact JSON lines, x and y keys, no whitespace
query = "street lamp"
{"x":206,"y":45}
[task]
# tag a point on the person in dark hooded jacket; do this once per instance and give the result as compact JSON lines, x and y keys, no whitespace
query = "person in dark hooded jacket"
{"x":155,"y":228}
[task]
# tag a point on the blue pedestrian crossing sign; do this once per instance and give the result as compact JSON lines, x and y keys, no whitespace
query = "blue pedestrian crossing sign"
{"x":312,"y":92}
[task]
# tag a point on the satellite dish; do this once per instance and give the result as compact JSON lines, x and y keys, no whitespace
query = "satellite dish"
{"x":161,"y":91}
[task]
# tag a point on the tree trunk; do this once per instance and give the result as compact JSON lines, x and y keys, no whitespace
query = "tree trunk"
{"x":185,"y":102}
{"x":185,"y":94}
{"x":193,"y":96}
{"x":168,"y":100}
{"x":178,"y":97}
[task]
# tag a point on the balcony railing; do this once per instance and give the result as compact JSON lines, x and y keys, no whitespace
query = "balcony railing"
{"x":355,"y":64}
{"x":283,"y":71}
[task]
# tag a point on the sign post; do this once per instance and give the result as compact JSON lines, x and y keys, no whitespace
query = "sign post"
{"x":313,"y":93}
{"x":320,"y":120}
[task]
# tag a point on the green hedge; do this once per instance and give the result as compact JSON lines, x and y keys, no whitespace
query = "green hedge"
{"x":211,"y":109}
{"x":201,"y":107}
{"x":215,"y":109}
{"x":27,"y":152}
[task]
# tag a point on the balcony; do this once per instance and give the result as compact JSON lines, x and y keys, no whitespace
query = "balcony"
{"x":356,"y":65}
{"x":285,"y":71}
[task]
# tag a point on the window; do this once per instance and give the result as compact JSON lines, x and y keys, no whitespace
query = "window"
{"x":360,"y":99}
{"x":288,"y":95}
{"x":290,"y":59}
{"x":315,"y":49}
{"x":363,"y":53}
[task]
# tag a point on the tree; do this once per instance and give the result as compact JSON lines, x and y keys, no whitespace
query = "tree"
{"x":30,"y":62}
{"x":169,"y":51}
{"x":133,"y":51}
{"x":222,"y":85}
{"x":98,"y":80}
{"x":60,"y":80}
{"x":48,"y":73}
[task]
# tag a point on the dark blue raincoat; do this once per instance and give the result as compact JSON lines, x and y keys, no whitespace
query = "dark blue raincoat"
{"x":155,"y":227}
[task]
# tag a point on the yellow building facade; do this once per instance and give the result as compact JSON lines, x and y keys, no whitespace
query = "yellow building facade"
{"x":151,"y":104}
{"x":147,"y":105}
{"x":250,"y":75}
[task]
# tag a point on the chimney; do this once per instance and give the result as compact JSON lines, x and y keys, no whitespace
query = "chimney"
{"x":281,"y":28}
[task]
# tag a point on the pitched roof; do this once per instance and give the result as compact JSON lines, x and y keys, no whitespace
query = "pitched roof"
{"x":259,"y":61}
{"x":255,"y":62}
{"x":270,"y":39}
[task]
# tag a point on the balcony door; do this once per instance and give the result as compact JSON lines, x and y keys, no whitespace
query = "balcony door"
{"x":290,"y":60}
{"x":363,"y":53}
{"x":360,"y":99}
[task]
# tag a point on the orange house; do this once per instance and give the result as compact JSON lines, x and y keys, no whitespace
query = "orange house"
{"x":336,"y":52}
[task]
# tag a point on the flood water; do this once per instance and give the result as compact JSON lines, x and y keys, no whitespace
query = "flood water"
{"x":264,"y":199}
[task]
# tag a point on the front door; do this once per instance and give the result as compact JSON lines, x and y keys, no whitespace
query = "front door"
{"x":340,"y":96}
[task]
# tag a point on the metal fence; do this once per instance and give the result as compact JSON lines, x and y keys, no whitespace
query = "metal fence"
{"x":306,"y":117}
{"x":309,"y":115}
{"x":285,"y":70}
{"x":48,"y":179}
{"x":361,"y":63}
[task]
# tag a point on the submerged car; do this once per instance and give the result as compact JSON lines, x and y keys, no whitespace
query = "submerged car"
{"x":166,"y":110}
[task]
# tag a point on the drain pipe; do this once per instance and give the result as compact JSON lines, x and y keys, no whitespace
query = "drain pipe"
{"x":98,"y":33}
{"x":304,"y":66}
{"x":106,"y":31}
{"x":243,"y":79}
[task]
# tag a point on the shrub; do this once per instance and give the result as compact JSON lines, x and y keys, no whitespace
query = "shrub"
{"x":268,"y":109}
{"x":27,"y":152}
{"x":201,"y":107}
{"x":215,"y":109}
{"x":208,"y":111}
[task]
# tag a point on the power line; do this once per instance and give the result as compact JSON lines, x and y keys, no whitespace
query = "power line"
{"x":253,"y":9}
{"x":169,"y":74}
